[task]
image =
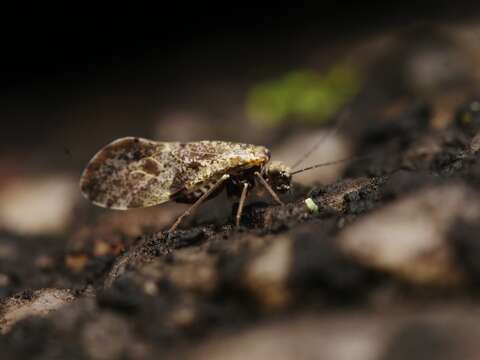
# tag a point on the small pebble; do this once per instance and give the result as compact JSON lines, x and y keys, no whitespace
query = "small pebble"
{"x":311,"y":205}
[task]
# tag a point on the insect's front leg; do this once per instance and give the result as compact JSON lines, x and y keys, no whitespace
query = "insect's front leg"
{"x":269,"y":188}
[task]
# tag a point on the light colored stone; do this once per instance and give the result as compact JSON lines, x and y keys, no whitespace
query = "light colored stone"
{"x":333,"y":147}
{"x":183,"y":126}
{"x":38,"y":206}
{"x":346,"y":335}
{"x":41,"y":303}
{"x":107,"y":337}
{"x":266,"y":276}
{"x":193,"y":270}
{"x":475,"y":143}
{"x":299,"y":338}
{"x":409,"y":237}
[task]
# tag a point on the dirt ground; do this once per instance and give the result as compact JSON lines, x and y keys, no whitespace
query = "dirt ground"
{"x":381,"y":262}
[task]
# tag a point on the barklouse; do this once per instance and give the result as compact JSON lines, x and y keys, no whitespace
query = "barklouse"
{"x":133,"y":172}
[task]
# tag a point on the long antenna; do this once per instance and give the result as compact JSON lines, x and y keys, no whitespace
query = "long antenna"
{"x":332,"y":163}
{"x":341,"y":118}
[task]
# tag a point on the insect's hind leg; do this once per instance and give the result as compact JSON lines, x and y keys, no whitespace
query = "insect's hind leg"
{"x":241,"y":204}
{"x":197,"y":203}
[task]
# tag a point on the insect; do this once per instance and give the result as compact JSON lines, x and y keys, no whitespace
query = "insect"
{"x":134,"y":172}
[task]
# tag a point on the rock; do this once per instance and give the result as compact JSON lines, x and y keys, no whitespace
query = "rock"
{"x":37,"y":303}
{"x":444,"y":332}
{"x":183,"y":126}
{"x":4,"y":280}
{"x":475,"y":143}
{"x":430,"y":70}
{"x":298,"y":338}
{"x":190,"y":270}
{"x":267,"y":273}
{"x":333,"y":147}
{"x":409,"y":239}
{"x":107,"y":337}
{"x":38,"y":206}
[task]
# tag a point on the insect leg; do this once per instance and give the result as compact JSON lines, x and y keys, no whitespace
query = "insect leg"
{"x":198,"y":202}
{"x":241,"y":204}
{"x":269,"y":188}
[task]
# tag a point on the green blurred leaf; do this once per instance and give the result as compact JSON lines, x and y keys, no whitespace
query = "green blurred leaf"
{"x":303,"y":94}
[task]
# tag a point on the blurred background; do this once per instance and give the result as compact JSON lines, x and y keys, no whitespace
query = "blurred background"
{"x":70,"y":85}
{"x":281,"y":77}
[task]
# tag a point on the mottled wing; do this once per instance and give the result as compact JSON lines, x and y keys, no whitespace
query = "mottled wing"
{"x":131,"y":173}
{"x":204,"y":162}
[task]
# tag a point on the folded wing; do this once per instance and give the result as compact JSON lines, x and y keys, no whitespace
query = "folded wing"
{"x":133,"y":172}
{"x":130,"y":173}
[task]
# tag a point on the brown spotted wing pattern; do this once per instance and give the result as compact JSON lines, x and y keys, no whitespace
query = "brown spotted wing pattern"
{"x":134,"y":172}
